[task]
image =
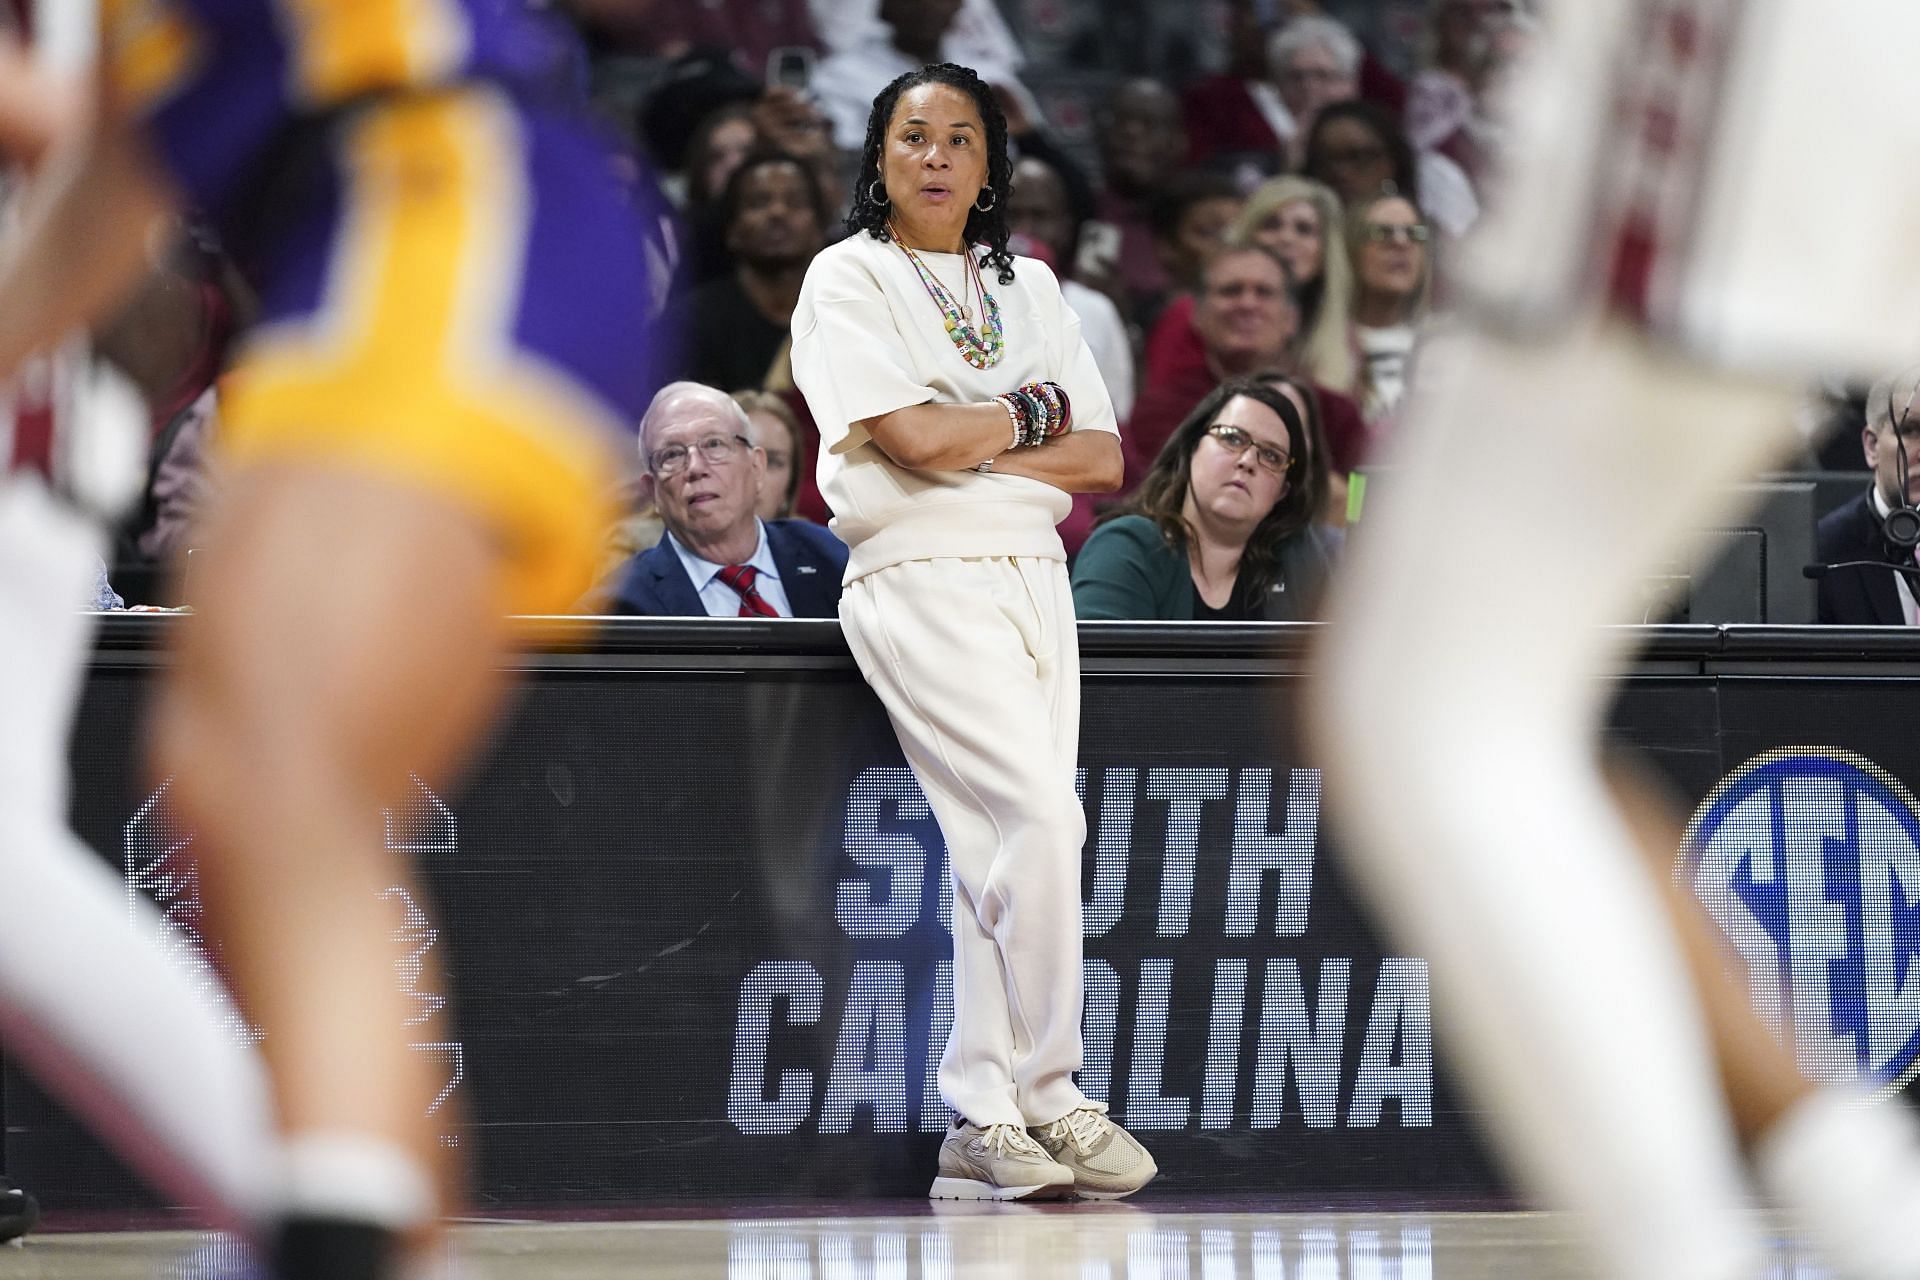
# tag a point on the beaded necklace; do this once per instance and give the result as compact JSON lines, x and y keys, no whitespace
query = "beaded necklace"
{"x":981,"y":347}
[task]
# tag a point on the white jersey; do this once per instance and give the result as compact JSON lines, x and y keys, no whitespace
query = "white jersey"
{"x":1736,"y":175}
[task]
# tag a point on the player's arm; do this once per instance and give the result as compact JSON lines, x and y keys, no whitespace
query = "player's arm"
{"x":37,"y":108}
{"x":80,"y":243}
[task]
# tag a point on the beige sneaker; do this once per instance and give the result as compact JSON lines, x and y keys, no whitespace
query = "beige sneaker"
{"x":997,"y":1162}
{"x":1107,"y":1161}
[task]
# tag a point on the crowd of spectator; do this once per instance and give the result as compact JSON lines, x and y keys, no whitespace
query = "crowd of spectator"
{"x":1263,"y":222}
{"x":1273,"y":223}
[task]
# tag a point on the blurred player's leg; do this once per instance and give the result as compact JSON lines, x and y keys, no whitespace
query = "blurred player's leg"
{"x":133,"y":1036}
{"x":1845,"y":1167}
{"x":1464,"y":687}
{"x":322,"y":668}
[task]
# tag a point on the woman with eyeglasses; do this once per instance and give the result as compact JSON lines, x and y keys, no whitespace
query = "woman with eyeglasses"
{"x":959,"y":411}
{"x":1222,"y":528}
{"x":1393,"y":270}
{"x":1361,"y":152}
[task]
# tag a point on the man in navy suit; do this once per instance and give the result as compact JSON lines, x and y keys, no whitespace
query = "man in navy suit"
{"x":1851,"y":531}
{"x":716,"y":558}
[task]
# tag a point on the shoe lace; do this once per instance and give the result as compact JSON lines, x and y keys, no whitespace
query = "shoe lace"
{"x":1004,"y":1138}
{"x":1084,"y":1128}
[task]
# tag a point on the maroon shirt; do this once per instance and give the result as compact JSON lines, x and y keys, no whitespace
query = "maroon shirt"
{"x":1223,"y":118}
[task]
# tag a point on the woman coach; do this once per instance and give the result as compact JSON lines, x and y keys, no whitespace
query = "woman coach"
{"x":959,"y":410}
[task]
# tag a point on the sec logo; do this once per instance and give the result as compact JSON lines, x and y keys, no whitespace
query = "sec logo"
{"x":1808,"y":858}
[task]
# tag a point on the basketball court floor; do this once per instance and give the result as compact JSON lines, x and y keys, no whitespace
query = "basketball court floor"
{"x":907,"y":1240}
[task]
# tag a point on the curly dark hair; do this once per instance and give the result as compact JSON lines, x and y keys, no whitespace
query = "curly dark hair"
{"x":1162,"y":495}
{"x":989,"y":228}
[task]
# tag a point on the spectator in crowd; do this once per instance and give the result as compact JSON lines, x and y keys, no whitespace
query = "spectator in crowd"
{"x":171,"y":339}
{"x":692,"y":96}
{"x":1393,"y":275}
{"x":1247,"y":320}
{"x":1039,"y":209}
{"x":717,"y":558}
{"x":1222,"y":528}
{"x":1354,"y":149}
{"x":1142,"y":145}
{"x":721,"y":142}
{"x":637,"y":528}
{"x":1316,"y":63}
{"x":1240,"y":111}
{"x":774,"y":219}
{"x":909,"y":34}
{"x":1301,"y":220}
{"x":1189,"y":218}
{"x":1302,"y":223}
{"x":1444,"y":108}
{"x":788,"y":120}
{"x":1853,"y":531}
{"x":777,"y":431}
{"x":1312,"y":399}
{"x":1359,"y":150}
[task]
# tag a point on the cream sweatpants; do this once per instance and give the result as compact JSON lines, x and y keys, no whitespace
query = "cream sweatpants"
{"x":978,"y":665}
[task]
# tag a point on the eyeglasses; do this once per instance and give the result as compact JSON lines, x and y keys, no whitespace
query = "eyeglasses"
{"x":1389,"y":233}
{"x":1315,"y":75}
{"x":715,"y":450}
{"x":1237,"y":441}
{"x":1353,"y":157}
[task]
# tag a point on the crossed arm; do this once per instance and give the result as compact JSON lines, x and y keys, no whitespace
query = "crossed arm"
{"x":955,"y":437}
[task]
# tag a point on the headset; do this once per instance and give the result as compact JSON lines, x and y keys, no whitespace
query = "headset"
{"x":1901,"y":525}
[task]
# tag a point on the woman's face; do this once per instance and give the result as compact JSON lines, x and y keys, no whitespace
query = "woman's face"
{"x":1239,"y":486}
{"x":1294,"y":231}
{"x":934,"y":157}
{"x":1354,"y":160}
{"x":1200,"y":233}
{"x":728,"y":145}
{"x":1393,"y":250}
{"x":777,"y":442}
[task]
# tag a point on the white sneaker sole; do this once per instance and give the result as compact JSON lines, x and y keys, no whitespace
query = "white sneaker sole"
{"x":1088,"y":1193}
{"x":974,"y":1189}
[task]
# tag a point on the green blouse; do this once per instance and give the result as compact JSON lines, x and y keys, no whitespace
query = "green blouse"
{"x":1127,"y":571}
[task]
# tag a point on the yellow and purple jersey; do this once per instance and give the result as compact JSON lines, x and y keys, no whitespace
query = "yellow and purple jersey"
{"x":218,"y":82}
{"x":455,"y":289}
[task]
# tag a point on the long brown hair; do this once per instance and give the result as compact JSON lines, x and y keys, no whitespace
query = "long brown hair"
{"x":1162,"y":495}
{"x":767,"y":402}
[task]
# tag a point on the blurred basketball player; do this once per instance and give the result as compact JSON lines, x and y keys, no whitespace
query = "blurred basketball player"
{"x":125,"y":1026}
{"x":1707,"y":200}
{"x":453,"y":297}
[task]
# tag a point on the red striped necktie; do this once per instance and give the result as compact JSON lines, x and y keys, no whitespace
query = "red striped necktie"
{"x":740,"y":577}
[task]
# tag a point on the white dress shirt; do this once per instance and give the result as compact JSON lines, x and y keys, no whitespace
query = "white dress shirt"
{"x":721,"y":600}
{"x":1909,"y":608}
